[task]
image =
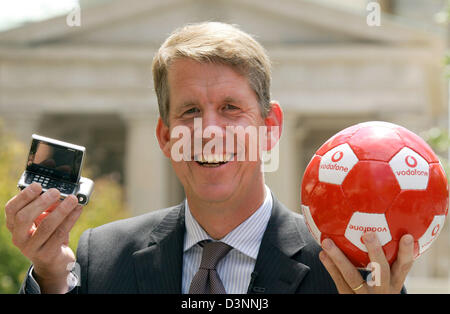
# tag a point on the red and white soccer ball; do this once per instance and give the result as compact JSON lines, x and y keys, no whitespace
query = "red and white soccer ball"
{"x":375,"y":176}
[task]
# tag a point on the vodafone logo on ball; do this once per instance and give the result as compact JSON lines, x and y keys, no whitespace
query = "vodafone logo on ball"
{"x":361,"y":223}
{"x":435,"y":230}
{"x":337,"y":156}
{"x":410,"y":169}
{"x":411,"y":161}
{"x":431,"y":234}
{"x":336,"y":163}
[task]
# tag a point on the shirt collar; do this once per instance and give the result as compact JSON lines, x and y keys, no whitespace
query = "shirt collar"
{"x":245,"y":238}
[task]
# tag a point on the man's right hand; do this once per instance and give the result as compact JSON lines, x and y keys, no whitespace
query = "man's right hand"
{"x":40,"y":226}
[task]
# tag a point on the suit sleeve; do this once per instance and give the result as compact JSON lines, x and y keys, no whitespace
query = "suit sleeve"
{"x":83,"y":262}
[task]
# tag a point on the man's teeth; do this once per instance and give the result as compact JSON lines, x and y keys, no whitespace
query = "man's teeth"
{"x":214,"y":158}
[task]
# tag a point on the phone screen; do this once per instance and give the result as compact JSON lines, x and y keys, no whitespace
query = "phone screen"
{"x":54,"y":161}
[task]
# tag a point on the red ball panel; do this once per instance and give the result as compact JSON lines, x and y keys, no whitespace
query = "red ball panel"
{"x":310,"y":179}
{"x":410,"y":213}
{"x":390,"y":250}
{"x":329,"y":208}
{"x":338,"y":139}
{"x":355,"y":255}
{"x":376,"y":143}
{"x":413,"y":210}
{"x":438,"y":188}
{"x":417,"y":144}
{"x":370,"y":187}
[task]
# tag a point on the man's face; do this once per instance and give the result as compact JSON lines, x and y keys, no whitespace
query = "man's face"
{"x":222,"y":98}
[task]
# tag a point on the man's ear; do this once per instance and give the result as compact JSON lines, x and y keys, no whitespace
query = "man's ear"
{"x":163,"y":136}
{"x":274,"y":124}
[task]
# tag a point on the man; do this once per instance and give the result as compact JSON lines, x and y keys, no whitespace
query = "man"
{"x":218,"y":74}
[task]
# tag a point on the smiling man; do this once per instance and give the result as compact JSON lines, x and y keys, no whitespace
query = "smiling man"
{"x":231,"y":234}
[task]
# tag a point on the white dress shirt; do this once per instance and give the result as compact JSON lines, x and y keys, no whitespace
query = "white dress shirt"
{"x":236,"y":267}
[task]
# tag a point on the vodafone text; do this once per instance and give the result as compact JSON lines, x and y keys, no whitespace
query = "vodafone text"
{"x":410,"y":172}
{"x":367,"y":229}
{"x":334,"y":167}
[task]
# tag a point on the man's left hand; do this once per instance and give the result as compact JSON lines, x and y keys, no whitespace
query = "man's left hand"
{"x":349,"y":280}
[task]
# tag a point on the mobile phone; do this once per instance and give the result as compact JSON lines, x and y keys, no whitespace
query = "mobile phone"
{"x":57,"y":164}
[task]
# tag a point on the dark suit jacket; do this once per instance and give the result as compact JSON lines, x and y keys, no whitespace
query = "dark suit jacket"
{"x":144,"y":254}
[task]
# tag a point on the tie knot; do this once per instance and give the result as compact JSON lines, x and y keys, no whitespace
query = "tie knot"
{"x":213,"y":252}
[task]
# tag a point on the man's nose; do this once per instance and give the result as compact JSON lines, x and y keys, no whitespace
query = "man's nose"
{"x":212,"y":124}
{"x":211,"y":119}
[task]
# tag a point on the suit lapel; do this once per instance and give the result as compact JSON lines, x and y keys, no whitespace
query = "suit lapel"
{"x":159,"y":266}
{"x":275,"y":270}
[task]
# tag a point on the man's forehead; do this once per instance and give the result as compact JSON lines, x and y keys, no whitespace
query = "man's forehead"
{"x":215,"y":81}
{"x":210,"y":72}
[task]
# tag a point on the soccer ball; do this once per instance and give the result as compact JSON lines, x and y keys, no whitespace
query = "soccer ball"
{"x":375,"y":176}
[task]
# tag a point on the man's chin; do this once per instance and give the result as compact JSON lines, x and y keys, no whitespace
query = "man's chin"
{"x":215,"y":193}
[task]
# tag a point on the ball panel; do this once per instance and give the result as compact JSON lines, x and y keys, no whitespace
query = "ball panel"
{"x":329,"y":208}
{"x":310,"y":179}
{"x":390,"y":250}
{"x":362,"y":222}
{"x":410,"y":169}
{"x":410,"y":213}
{"x":312,"y":227}
{"x":438,"y":188}
{"x":375,"y":143}
{"x":336,"y":164}
{"x":370,"y":187}
{"x":431,"y":233}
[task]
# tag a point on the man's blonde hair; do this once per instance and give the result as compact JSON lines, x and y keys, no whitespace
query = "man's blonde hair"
{"x":217,"y":43}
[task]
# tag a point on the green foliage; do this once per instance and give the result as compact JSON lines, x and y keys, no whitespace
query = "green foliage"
{"x":106,"y":205}
{"x":439,"y":140}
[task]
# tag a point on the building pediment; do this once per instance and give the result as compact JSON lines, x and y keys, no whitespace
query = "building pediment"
{"x":142,"y":22}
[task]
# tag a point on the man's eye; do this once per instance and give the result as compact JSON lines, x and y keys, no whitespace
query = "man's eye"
{"x":192,"y":111}
{"x":230,"y":107}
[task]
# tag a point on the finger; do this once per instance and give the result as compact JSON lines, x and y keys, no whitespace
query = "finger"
{"x":348,"y":271}
{"x":25,"y":218}
{"x":335,"y":274}
{"x":378,"y":262}
{"x":52,"y":221}
{"x":42,"y":216}
{"x":61,"y":234}
{"x":19,"y":201}
{"x":404,"y":262}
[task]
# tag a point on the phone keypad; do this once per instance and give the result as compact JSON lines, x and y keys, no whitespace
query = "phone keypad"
{"x":48,"y":183}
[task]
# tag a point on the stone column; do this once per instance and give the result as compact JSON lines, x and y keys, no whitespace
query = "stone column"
{"x":146,"y":167}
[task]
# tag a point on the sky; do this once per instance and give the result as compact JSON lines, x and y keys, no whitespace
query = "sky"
{"x":15,"y":12}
